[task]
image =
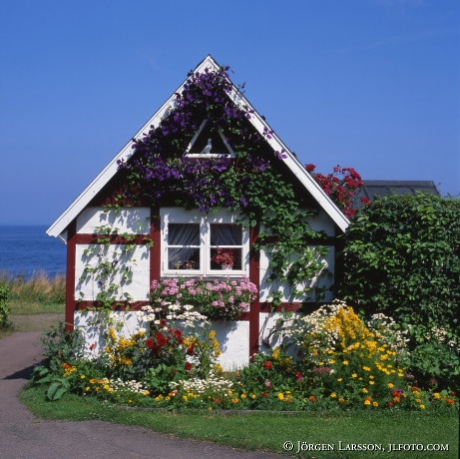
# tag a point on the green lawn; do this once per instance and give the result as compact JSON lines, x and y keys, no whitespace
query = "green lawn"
{"x":270,"y":431}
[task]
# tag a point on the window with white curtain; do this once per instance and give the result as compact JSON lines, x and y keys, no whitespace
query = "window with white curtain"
{"x":198,"y":244}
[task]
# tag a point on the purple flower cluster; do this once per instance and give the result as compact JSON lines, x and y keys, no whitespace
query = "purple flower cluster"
{"x":159,"y":169}
{"x":218,"y":299}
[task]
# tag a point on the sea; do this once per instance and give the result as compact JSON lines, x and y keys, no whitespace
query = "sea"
{"x":28,"y":250}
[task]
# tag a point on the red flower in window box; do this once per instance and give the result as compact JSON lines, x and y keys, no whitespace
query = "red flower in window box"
{"x":268,"y":365}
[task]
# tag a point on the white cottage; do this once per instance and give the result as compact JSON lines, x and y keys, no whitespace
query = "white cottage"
{"x":206,"y":179}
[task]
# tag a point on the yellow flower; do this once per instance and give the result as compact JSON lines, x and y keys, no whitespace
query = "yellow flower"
{"x":212,"y":334}
{"x":88,"y":389}
{"x":331,"y":362}
{"x":391,"y":385}
{"x":333,"y":395}
{"x":375,"y":403}
{"x":437,"y":395}
{"x":235,"y":400}
{"x":422,"y":407}
{"x":281,"y":396}
{"x":371,"y":382}
{"x":346,"y":362}
{"x":113,"y":334}
{"x":83,"y":376}
{"x":340,"y":379}
{"x":185,"y":398}
{"x":354,"y":375}
{"x":367,"y":402}
{"x":365,"y":390}
{"x":276,"y":354}
{"x":253,"y":396}
{"x":218,"y":368}
{"x":244,"y":395}
{"x":341,"y":400}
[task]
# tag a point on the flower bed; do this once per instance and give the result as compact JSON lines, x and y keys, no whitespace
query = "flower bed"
{"x":330,"y":359}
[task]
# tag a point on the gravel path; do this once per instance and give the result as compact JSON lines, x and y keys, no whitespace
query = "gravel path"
{"x":22,"y":436}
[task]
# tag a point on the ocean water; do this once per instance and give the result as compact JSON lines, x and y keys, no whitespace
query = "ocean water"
{"x":25,"y":250}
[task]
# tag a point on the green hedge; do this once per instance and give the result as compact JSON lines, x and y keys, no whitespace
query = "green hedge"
{"x":402,"y":258}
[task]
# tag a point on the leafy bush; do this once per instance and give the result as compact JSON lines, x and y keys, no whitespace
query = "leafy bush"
{"x":402,"y":258}
{"x":4,"y":308}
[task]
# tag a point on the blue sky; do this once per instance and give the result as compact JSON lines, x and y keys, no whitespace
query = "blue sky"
{"x":369,"y":84}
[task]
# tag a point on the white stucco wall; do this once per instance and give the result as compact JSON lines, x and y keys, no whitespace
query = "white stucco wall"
{"x":132,"y":220}
{"x":137,"y":260}
{"x":290,"y":293}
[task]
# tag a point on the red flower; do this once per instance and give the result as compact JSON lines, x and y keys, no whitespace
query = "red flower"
{"x":188,"y":366}
{"x":268,"y":365}
{"x":163,"y":323}
{"x":93,"y":346}
{"x":150,"y":343}
{"x":191,"y":350}
{"x":178,"y":335}
{"x":310,"y":167}
{"x":299,"y":376}
{"x":161,"y":339}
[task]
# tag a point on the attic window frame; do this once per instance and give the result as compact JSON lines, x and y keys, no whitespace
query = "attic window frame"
{"x":187,"y":153}
{"x":178,"y":215}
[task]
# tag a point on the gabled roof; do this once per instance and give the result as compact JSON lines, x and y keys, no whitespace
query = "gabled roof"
{"x":373,"y":189}
{"x":59,"y":227}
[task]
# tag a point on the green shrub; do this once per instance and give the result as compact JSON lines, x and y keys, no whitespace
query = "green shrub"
{"x":402,"y":259}
{"x":4,"y":308}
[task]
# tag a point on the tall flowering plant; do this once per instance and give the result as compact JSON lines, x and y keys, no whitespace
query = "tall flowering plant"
{"x":224,"y":299}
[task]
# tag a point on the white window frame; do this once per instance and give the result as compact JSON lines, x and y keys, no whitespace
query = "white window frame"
{"x":179,"y":215}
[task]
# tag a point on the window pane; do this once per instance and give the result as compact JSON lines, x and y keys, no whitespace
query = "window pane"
{"x":226,"y":234}
{"x":226,"y":259}
{"x":183,"y":234}
{"x":183,"y":258}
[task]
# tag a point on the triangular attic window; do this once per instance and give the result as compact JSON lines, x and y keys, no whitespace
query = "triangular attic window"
{"x":209,"y":143}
